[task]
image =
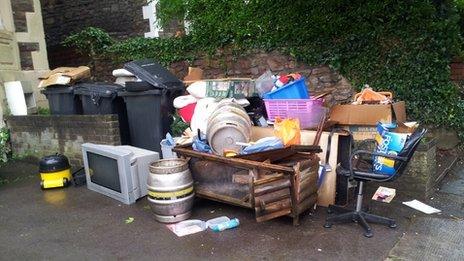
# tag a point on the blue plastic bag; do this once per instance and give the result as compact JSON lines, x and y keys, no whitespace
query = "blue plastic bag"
{"x":268,"y":143}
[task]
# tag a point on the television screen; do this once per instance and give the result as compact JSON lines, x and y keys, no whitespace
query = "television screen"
{"x":119,"y":172}
{"x":104,"y":171}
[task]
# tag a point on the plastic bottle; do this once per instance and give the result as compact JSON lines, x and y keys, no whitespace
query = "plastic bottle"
{"x":215,"y":221}
{"x":226,"y":225}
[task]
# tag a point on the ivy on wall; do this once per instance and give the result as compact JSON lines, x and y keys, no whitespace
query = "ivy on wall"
{"x":402,"y":46}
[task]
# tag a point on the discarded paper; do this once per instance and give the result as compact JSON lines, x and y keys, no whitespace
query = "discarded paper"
{"x":416,"y":204}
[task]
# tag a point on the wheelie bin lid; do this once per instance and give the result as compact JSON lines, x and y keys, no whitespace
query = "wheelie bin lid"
{"x":142,"y":93}
{"x":102,"y":89}
{"x":58,"y":89}
{"x":152,"y":72}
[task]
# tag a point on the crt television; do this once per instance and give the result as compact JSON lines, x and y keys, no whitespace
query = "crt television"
{"x":119,"y":172}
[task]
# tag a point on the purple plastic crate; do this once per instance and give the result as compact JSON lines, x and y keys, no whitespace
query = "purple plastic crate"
{"x":308,"y":111}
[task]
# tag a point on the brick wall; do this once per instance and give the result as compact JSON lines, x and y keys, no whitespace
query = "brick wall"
{"x":44,"y":135}
{"x":120,"y":18}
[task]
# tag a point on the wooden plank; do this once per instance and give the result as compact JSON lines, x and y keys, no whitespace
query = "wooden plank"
{"x":328,"y":188}
{"x":308,"y":173}
{"x":273,"y":215}
{"x":273,"y":207}
{"x":306,"y":204}
{"x":269,"y":178}
{"x":271,"y":187}
{"x":309,"y":181}
{"x":271,"y":155}
{"x":243,"y":163}
{"x":294,"y":193}
{"x":221,"y":198}
{"x":306,"y":192}
{"x":273,"y":196}
{"x":307,"y":164}
{"x":261,"y":172}
{"x":279,"y":154}
{"x":241,"y":179}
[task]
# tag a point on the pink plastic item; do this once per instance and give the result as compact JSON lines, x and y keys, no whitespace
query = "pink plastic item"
{"x":308,"y":111}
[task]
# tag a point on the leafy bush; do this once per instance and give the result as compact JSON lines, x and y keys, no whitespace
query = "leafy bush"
{"x":91,"y":41}
{"x":4,"y":145}
{"x":165,"y":50}
{"x":402,"y":46}
{"x":405,"y":46}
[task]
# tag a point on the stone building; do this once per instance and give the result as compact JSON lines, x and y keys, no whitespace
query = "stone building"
{"x":23,"y":53}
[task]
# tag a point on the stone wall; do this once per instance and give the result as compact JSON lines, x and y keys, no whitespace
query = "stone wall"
{"x":419,"y":179}
{"x":319,"y":79}
{"x":44,"y":135}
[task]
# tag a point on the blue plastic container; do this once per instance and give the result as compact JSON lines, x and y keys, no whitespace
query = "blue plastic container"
{"x":294,"y":90}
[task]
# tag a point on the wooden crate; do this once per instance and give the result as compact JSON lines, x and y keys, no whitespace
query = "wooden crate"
{"x":271,"y":189}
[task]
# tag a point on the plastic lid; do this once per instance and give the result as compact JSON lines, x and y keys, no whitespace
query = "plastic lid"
{"x":100,"y":89}
{"x":53,"y":163}
{"x":150,"y":71}
{"x":57,"y":89}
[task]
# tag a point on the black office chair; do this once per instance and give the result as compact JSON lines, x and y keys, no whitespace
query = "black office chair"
{"x":362,"y":175}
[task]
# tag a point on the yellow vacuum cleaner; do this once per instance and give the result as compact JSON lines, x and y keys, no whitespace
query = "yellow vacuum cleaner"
{"x":55,"y":171}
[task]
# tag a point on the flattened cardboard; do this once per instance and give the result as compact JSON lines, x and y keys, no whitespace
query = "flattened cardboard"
{"x":64,"y":75}
{"x":368,"y":114}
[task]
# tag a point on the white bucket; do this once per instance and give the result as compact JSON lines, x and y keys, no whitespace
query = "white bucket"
{"x":166,"y":150}
{"x":15,"y":98}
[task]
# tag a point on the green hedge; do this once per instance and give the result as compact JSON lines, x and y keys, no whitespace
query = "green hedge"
{"x":402,"y":46}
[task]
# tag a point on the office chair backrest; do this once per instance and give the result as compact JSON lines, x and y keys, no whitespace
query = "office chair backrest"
{"x":408,"y":151}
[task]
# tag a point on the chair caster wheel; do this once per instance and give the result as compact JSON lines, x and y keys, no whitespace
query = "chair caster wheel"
{"x":392,"y":225}
{"x":328,"y":225}
{"x":368,"y":234}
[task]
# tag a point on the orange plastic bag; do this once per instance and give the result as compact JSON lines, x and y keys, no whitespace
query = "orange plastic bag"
{"x":288,"y":130}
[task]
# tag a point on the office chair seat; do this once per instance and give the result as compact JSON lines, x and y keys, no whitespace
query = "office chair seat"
{"x":361,"y":172}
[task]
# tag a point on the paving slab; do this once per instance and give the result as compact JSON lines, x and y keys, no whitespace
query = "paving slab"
{"x":431,"y":238}
{"x":79,"y":224}
{"x":454,"y":184}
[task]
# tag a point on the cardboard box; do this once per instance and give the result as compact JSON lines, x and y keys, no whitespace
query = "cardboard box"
{"x":64,"y":75}
{"x":361,"y":132}
{"x":194,"y":74}
{"x":368,"y":114}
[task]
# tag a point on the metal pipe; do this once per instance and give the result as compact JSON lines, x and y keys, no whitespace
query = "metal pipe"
{"x":360,"y":196}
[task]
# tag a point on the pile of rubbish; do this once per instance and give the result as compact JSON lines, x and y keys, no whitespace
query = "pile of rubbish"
{"x":222,"y":117}
{"x":220,"y":120}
